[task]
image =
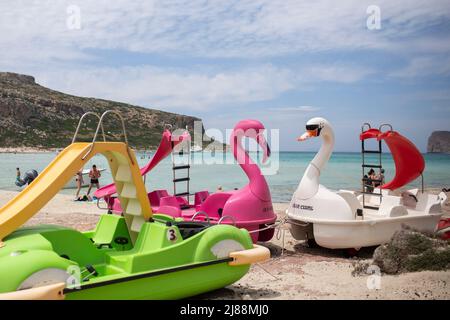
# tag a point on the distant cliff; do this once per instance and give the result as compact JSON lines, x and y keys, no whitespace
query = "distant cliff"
{"x":35,"y":116}
{"x":439,"y":141}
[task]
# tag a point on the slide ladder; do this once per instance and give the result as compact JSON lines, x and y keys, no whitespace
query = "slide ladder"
{"x":180,"y":164}
{"x":366,"y":188}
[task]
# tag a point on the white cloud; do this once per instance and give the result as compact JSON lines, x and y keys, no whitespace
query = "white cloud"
{"x":335,"y":73}
{"x":35,"y":39}
{"x":296,"y":109}
{"x":176,"y":89}
{"x":234,"y":28}
{"x":424,"y":66}
{"x":182,"y":89}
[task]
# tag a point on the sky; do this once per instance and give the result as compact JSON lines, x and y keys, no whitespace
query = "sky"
{"x":278,"y":61}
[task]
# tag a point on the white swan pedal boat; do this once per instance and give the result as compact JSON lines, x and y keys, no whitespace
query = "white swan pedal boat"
{"x":345,"y":219}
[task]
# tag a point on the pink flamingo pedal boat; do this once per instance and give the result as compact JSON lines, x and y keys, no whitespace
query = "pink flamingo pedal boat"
{"x":249,"y":207}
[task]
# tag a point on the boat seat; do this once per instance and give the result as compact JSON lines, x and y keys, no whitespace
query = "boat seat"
{"x":428,"y":203}
{"x":155,"y":196}
{"x":214,"y":204}
{"x":170,"y":211}
{"x":190,"y":228}
{"x":169,"y":201}
{"x":111,"y":232}
{"x":170,"y":205}
{"x":200,"y":197}
{"x":391,"y":206}
{"x":350,"y":198}
{"x":409,"y":199}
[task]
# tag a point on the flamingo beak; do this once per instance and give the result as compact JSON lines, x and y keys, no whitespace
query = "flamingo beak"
{"x":308,"y":134}
{"x":265,"y":147}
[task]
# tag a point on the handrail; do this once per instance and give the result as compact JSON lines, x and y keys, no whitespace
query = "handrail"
{"x":201,"y":212}
{"x":81,"y":120}
{"x":233,"y":219}
{"x":386,"y":125}
{"x":100,"y":125}
{"x":365,"y":124}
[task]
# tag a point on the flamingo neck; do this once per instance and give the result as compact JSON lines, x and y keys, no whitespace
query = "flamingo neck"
{"x":309,"y":185}
{"x":257,"y":182}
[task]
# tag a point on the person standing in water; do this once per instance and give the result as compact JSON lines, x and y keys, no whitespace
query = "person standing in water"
{"x":94,"y":174}
{"x":79,"y":181}
{"x":18,"y":174}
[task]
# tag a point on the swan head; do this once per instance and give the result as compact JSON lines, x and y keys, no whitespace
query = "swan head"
{"x":253,"y":129}
{"x":316,"y":127}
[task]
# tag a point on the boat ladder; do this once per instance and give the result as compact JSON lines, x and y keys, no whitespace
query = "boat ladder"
{"x":368,"y":189}
{"x":181,"y":162}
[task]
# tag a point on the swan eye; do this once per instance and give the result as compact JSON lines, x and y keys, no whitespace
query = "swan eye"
{"x":312,"y":127}
{"x":315,"y":128}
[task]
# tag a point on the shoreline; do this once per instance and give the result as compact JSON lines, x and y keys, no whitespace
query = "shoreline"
{"x":27,"y":150}
{"x":30,"y":150}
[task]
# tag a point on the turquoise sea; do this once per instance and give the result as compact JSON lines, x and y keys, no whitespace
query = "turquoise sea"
{"x":342,"y":172}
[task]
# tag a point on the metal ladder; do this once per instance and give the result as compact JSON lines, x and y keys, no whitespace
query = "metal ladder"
{"x":176,"y":167}
{"x":365,"y":165}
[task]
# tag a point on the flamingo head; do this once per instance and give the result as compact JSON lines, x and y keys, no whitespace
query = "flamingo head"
{"x":315,"y":127}
{"x":254,"y":129}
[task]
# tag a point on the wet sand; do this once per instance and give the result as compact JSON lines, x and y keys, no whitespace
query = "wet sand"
{"x":295,"y":272}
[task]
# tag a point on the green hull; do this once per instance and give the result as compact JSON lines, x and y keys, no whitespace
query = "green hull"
{"x":174,"y":285}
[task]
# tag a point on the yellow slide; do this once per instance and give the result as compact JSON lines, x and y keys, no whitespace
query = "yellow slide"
{"x":125,"y":172}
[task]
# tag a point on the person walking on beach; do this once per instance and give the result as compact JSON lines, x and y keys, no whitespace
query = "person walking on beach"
{"x":79,"y":181}
{"x":94,"y":174}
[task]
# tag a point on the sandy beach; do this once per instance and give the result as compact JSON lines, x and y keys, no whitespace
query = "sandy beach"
{"x":295,"y":272}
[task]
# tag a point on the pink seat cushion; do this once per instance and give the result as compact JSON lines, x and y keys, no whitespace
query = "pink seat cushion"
{"x":200,"y":197}
{"x":214,"y":204}
{"x":169,"y":201}
{"x":170,"y":210}
{"x":155,"y":196}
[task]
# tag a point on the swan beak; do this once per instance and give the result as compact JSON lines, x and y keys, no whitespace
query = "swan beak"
{"x":308,"y":134}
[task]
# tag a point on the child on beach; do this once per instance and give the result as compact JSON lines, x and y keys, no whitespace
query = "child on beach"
{"x":94,"y":174}
{"x":79,"y":181}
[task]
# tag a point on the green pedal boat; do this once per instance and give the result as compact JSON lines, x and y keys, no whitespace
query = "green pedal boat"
{"x":139,"y":255}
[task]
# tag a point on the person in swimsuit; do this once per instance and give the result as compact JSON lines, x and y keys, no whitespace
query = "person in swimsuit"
{"x":94,"y":174}
{"x":380,"y":178}
{"x":79,"y":181}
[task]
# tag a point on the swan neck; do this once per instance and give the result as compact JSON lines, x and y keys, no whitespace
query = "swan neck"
{"x":325,"y":151}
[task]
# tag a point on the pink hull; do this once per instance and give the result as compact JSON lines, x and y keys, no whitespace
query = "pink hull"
{"x":188,"y":213}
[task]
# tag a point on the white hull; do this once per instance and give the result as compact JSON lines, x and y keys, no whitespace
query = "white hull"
{"x":345,"y":234}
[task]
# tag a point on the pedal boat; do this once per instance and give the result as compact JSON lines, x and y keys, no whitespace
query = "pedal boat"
{"x":139,"y":255}
{"x":347,"y":220}
{"x":249,"y":207}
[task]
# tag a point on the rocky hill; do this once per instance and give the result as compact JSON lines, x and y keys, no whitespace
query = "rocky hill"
{"x":34,"y":116}
{"x":439,"y":141}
